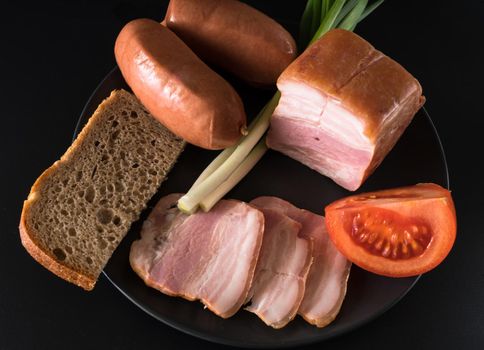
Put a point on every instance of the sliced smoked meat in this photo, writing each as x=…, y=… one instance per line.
x=206, y=256
x=328, y=275
x=279, y=281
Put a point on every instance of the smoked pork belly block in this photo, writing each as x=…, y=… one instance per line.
x=206, y=256
x=343, y=107
x=280, y=277
x=328, y=275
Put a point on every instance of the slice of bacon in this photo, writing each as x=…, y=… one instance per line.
x=327, y=279
x=280, y=277
x=206, y=256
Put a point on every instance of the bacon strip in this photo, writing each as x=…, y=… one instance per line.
x=206, y=256
x=327, y=279
x=280, y=277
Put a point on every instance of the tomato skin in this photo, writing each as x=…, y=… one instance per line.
x=413, y=229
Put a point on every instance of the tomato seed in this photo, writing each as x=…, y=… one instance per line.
x=379, y=244
x=373, y=237
x=386, y=251
x=394, y=238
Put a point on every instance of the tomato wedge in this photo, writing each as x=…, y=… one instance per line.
x=399, y=232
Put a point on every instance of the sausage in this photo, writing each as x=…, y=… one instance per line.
x=233, y=36
x=178, y=89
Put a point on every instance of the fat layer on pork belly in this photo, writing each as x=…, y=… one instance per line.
x=280, y=277
x=328, y=275
x=343, y=106
x=206, y=256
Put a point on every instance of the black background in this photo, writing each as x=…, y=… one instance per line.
x=53, y=54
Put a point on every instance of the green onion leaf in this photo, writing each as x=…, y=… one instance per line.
x=370, y=9
x=325, y=7
x=305, y=25
x=345, y=10
x=350, y=21
x=328, y=22
x=316, y=19
x=324, y=10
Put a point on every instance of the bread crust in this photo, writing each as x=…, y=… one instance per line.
x=45, y=259
x=29, y=235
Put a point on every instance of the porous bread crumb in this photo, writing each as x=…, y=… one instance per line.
x=81, y=208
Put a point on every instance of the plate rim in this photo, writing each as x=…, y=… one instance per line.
x=221, y=340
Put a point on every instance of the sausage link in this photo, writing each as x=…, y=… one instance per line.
x=233, y=36
x=181, y=91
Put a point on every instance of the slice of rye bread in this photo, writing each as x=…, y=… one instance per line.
x=80, y=208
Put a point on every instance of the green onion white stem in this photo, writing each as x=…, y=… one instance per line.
x=218, y=161
x=249, y=162
x=190, y=201
x=222, y=157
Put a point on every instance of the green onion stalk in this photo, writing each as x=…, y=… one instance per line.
x=233, y=163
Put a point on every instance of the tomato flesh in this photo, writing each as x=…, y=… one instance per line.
x=398, y=232
x=386, y=233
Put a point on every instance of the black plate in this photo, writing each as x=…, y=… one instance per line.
x=417, y=157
